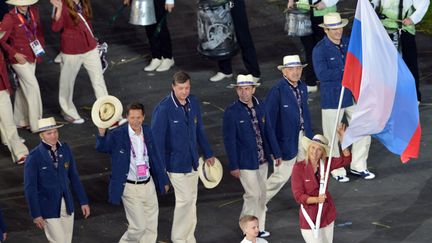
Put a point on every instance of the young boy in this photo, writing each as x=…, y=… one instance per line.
x=249, y=225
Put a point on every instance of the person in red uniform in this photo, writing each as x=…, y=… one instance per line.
x=306, y=178
x=23, y=45
x=8, y=128
x=78, y=47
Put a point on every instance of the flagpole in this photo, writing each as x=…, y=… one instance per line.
x=323, y=186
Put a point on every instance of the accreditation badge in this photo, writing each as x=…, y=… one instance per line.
x=142, y=168
x=37, y=48
x=66, y=165
x=195, y=120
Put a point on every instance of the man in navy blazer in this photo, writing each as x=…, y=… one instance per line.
x=250, y=144
x=50, y=173
x=3, y=234
x=178, y=131
x=137, y=173
x=288, y=111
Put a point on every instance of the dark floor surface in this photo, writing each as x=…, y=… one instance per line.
x=394, y=207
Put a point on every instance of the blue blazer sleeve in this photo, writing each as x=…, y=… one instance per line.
x=322, y=70
x=3, y=228
x=271, y=137
x=272, y=109
x=202, y=139
x=103, y=144
x=30, y=185
x=159, y=127
x=75, y=181
x=230, y=138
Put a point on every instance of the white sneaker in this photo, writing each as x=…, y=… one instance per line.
x=312, y=89
x=166, y=64
x=341, y=179
x=155, y=63
x=58, y=58
x=72, y=120
x=219, y=76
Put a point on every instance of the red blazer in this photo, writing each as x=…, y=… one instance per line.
x=4, y=78
x=304, y=184
x=16, y=40
x=75, y=38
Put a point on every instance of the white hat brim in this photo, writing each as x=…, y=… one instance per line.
x=96, y=108
x=344, y=22
x=280, y=67
x=21, y=2
x=48, y=128
x=306, y=142
x=210, y=184
x=236, y=85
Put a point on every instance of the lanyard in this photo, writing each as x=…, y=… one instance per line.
x=144, y=148
x=29, y=31
x=305, y=214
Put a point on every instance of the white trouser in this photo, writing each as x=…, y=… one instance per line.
x=141, y=207
x=185, y=217
x=325, y=234
x=254, y=185
x=28, y=102
x=8, y=128
x=70, y=66
x=282, y=173
x=360, y=149
x=59, y=230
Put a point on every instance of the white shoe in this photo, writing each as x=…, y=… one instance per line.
x=58, y=58
x=255, y=79
x=73, y=120
x=219, y=76
x=312, y=89
x=166, y=64
x=155, y=63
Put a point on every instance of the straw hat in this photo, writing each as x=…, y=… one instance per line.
x=106, y=111
x=291, y=61
x=21, y=2
x=46, y=124
x=245, y=80
x=210, y=175
x=317, y=139
x=333, y=21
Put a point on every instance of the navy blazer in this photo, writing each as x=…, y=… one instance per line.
x=45, y=185
x=2, y=227
x=284, y=115
x=117, y=144
x=329, y=64
x=177, y=136
x=240, y=138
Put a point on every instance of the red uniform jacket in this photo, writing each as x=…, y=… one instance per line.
x=4, y=78
x=75, y=38
x=304, y=184
x=16, y=39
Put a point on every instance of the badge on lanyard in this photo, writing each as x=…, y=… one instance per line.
x=35, y=44
x=66, y=165
x=37, y=48
x=142, y=168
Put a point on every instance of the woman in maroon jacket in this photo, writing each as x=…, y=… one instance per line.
x=305, y=183
x=78, y=47
x=24, y=46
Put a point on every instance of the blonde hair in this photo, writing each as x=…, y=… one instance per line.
x=245, y=219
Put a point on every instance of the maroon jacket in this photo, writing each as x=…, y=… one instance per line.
x=4, y=78
x=304, y=184
x=16, y=40
x=75, y=38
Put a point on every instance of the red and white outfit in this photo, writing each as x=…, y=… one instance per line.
x=20, y=32
x=78, y=47
x=305, y=183
x=8, y=128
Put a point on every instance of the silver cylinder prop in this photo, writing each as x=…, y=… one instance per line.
x=142, y=12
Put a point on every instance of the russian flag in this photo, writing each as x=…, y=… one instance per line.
x=383, y=87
